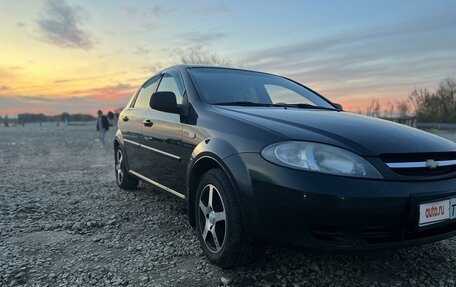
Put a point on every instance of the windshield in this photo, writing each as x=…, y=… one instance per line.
x=230, y=86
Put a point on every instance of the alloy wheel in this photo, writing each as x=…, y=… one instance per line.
x=212, y=218
x=119, y=170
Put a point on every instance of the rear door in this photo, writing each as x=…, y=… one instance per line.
x=163, y=140
x=132, y=121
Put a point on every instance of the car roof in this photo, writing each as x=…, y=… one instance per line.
x=187, y=66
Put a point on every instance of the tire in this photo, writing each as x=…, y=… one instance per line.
x=221, y=216
x=123, y=178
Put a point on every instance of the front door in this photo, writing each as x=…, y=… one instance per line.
x=163, y=140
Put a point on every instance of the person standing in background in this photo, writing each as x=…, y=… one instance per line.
x=102, y=126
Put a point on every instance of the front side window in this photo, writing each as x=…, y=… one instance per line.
x=171, y=82
x=225, y=86
x=143, y=98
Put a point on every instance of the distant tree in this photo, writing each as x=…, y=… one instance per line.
x=374, y=108
x=390, y=109
x=447, y=94
x=438, y=106
x=199, y=56
x=34, y=118
x=402, y=108
x=81, y=117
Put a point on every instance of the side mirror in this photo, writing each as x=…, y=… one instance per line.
x=338, y=106
x=165, y=102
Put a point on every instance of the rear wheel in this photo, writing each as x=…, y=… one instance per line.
x=219, y=223
x=124, y=179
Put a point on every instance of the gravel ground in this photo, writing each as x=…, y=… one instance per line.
x=64, y=222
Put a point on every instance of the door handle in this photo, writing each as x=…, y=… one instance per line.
x=148, y=123
x=125, y=119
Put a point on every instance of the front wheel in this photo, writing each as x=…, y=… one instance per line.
x=219, y=223
x=123, y=178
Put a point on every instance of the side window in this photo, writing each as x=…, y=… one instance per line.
x=171, y=82
x=280, y=94
x=142, y=101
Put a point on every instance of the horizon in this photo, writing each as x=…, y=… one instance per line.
x=81, y=56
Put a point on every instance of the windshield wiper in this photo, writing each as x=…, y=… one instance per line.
x=247, y=104
x=303, y=106
x=282, y=105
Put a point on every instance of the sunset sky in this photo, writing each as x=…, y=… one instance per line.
x=79, y=56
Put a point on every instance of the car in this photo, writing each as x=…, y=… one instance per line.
x=260, y=159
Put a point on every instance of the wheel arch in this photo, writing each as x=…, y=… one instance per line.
x=203, y=163
x=119, y=142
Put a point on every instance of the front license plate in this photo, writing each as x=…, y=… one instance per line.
x=438, y=211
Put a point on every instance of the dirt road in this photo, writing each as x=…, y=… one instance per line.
x=64, y=222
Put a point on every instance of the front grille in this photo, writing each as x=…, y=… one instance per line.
x=390, y=234
x=439, y=171
x=330, y=234
x=422, y=164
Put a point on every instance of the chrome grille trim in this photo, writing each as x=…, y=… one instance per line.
x=420, y=164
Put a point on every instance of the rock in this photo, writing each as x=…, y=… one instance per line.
x=226, y=281
x=96, y=239
x=77, y=226
x=315, y=267
x=144, y=278
x=91, y=224
x=168, y=250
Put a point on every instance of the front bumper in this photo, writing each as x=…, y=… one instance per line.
x=332, y=212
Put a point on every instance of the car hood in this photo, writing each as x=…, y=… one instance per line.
x=364, y=135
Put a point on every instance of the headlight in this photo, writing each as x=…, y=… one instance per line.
x=319, y=158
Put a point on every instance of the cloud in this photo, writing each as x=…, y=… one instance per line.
x=62, y=26
x=147, y=11
x=7, y=73
x=117, y=93
x=154, y=68
x=200, y=38
x=69, y=80
x=216, y=7
x=79, y=101
x=141, y=51
x=3, y=88
x=385, y=61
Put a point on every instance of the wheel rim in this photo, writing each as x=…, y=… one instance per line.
x=119, y=170
x=212, y=218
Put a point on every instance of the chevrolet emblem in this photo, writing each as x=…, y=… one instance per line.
x=432, y=163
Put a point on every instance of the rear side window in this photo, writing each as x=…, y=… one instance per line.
x=142, y=101
x=171, y=82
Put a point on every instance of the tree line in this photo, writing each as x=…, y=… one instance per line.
x=438, y=106
x=26, y=118
x=427, y=106
x=64, y=117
